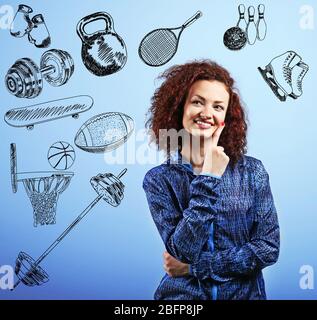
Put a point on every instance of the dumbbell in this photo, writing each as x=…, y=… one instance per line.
x=25, y=79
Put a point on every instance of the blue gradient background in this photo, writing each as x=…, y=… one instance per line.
x=116, y=253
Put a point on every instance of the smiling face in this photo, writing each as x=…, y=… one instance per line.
x=205, y=108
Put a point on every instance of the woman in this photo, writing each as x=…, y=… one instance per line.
x=211, y=203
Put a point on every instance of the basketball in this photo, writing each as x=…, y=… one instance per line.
x=61, y=155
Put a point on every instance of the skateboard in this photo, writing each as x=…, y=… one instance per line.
x=48, y=111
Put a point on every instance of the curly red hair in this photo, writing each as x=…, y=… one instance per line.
x=167, y=105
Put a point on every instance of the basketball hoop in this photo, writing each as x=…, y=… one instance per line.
x=42, y=188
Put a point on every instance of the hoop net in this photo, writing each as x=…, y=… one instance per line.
x=43, y=193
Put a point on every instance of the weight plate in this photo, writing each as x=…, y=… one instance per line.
x=28, y=271
x=24, y=79
x=63, y=66
x=33, y=81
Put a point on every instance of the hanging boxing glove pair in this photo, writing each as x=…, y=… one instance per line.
x=35, y=28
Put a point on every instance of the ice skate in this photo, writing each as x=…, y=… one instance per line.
x=298, y=74
x=278, y=74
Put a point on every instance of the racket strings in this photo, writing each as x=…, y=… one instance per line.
x=158, y=47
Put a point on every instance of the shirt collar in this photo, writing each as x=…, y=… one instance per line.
x=176, y=157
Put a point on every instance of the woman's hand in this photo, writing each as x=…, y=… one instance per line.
x=173, y=267
x=216, y=160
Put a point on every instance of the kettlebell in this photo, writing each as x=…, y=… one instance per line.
x=103, y=52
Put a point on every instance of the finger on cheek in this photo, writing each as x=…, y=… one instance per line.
x=217, y=121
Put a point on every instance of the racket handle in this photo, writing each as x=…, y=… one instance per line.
x=197, y=15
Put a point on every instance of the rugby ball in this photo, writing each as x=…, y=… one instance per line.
x=104, y=132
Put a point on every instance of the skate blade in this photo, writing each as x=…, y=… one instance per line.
x=294, y=96
x=272, y=84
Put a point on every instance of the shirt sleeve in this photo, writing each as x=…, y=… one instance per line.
x=183, y=233
x=261, y=251
x=210, y=175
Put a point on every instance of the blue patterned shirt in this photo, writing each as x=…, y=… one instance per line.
x=225, y=228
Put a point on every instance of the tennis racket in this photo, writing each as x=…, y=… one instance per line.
x=160, y=45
